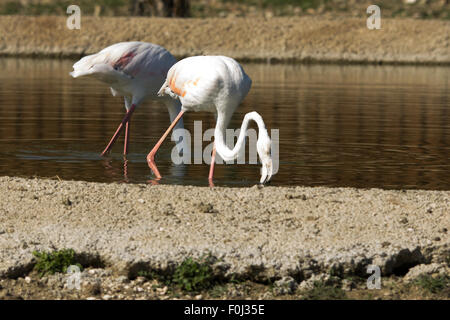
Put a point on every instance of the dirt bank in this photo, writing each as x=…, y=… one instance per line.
x=257, y=233
x=296, y=39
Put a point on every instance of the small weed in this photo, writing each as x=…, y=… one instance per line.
x=433, y=285
x=218, y=291
x=370, y=296
x=321, y=291
x=151, y=275
x=234, y=278
x=193, y=275
x=57, y=261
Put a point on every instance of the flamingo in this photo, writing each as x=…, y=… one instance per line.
x=134, y=70
x=216, y=84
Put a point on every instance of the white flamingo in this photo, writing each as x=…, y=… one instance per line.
x=216, y=84
x=134, y=70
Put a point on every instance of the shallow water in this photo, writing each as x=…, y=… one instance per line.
x=359, y=126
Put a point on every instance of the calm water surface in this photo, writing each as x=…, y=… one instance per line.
x=359, y=126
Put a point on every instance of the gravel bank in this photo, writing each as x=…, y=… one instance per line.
x=296, y=39
x=258, y=233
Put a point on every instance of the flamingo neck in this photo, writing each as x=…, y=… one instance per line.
x=226, y=153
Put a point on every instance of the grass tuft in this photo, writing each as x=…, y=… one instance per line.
x=433, y=284
x=53, y=262
x=322, y=291
x=191, y=275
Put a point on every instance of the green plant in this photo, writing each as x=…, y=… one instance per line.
x=11, y=7
x=57, y=261
x=322, y=291
x=192, y=275
x=154, y=275
x=431, y=284
x=218, y=291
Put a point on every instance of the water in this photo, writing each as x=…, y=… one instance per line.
x=358, y=126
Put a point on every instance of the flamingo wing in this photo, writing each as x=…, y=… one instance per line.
x=198, y=81
x=118, y=64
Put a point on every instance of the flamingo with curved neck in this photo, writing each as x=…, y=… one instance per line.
x=216, y=84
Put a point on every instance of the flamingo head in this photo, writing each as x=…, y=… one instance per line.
x=263, y=148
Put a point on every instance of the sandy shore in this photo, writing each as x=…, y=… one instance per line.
x=304, y=39
x=258, y=233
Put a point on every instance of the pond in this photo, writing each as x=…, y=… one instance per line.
x=347, y=126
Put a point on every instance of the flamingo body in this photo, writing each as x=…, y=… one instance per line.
x=134, y=70
x=207, y=83
x=130, y=68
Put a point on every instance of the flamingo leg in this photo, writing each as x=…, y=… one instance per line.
x=213, y=161
x=127, y=137
x=125, y=120
x=151, y=155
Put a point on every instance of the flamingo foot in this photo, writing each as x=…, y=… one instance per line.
x=151, y=155
x=152, y=165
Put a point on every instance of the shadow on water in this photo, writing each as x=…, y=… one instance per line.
x=359, y=126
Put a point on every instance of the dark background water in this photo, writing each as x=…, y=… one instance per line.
x=359, y=126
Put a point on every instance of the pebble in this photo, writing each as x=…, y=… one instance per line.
x=162, y=291
x=123, y=279
x=198, y=297
x=285, y=285
x=140, y=280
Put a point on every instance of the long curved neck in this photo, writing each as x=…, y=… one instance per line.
x=226, y=153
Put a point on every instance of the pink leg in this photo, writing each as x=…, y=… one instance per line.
x=127, y=137
x=151, y=155
x=119, y=129
x=213, y=161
